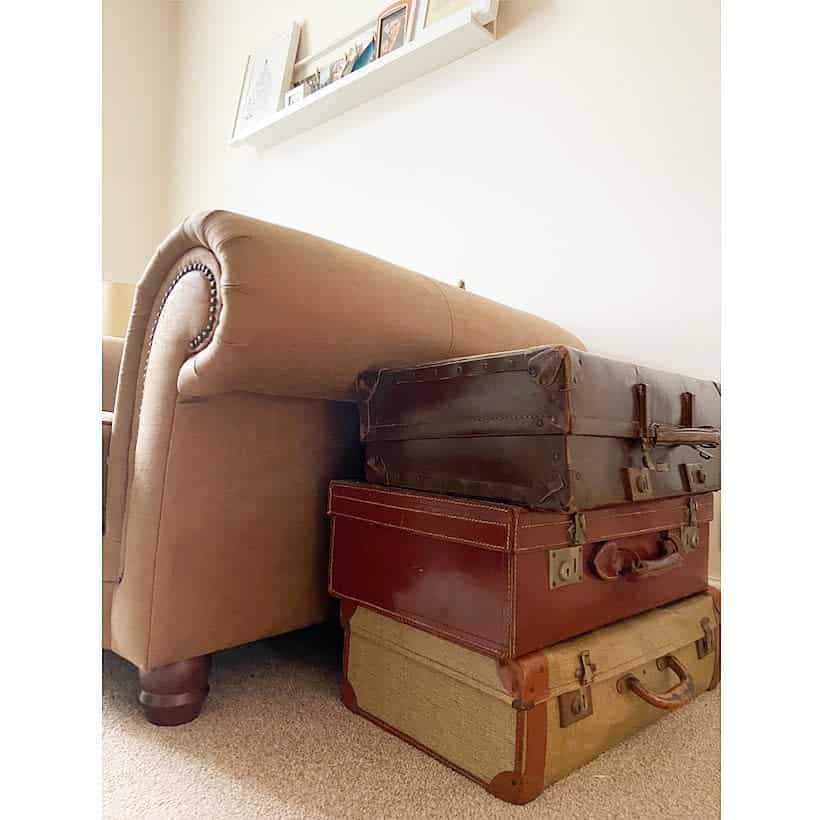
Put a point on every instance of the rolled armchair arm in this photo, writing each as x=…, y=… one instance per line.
x=229, y=307
x=303, y=316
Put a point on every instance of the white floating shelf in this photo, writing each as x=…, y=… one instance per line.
x=444, y=42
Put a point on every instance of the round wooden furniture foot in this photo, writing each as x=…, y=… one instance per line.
x=173, y=694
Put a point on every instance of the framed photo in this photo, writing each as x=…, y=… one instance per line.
x=268, y=74
x=393, y=27
x=367, y=53
x=431, y=11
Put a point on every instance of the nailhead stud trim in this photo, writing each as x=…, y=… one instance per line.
x=210, y=278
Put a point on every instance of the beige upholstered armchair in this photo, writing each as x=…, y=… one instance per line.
x=232, y=399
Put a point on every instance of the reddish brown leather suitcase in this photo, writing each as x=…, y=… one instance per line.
x=551, y=428
x=504, y=580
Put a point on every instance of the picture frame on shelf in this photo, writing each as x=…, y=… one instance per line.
x=367, y=54
x=394, y=27
x=266, y=80
x=430, y=12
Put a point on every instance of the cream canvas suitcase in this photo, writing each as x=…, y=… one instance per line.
x=517, y=726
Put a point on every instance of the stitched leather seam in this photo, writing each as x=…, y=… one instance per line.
x=509, y=602
x=436, y=535
x=610, y=534
x=609, y=516
x=420, y=512
x=513, y=598
x=401, y=492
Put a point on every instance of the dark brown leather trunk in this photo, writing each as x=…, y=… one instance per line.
x=505, y=580
x=551, y=428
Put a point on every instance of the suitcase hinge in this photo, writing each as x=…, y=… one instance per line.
x=565, y=565
x=706, y=645
x=689, y=534
x=587, y=671
x=577, y=529
x=576, y=705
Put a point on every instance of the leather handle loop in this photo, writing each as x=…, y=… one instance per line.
x=700, y=436
x=613, y=562
x=679, y=695
x=653, y=435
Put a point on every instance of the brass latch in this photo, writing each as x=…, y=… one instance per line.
x=565, y=567
x=696, y=477
x=576, y=705
x=639, y=483
x=706, y=645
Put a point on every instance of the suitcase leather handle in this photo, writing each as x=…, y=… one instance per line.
x=671, y=435
x=700, y=436
x=614, y=562
x=679, y=695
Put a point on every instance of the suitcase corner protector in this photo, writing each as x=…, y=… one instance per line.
x=547, y=363
x=515, y=787
x=525, y=678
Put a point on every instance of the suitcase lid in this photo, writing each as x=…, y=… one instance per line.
x=507, y=527
x=548, y=390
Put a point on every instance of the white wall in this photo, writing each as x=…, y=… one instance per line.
x=138, y=53
x=571, y=168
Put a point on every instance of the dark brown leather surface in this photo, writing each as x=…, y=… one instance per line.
x=478, y=573
x=552, y=428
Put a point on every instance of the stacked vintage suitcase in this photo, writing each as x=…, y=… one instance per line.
x=523, y=577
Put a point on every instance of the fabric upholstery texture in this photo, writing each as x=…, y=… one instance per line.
x=227, y=430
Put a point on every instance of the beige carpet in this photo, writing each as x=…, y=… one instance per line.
x=275, y=741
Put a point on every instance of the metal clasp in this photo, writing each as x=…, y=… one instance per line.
x=587, y=671
x=706, y=645
x=565, y=566
x=575, y=705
